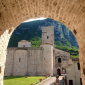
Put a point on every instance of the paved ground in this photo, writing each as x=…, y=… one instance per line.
x=53, y=79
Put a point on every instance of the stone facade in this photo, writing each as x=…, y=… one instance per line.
x=48, y=35
x=25, y=60
x=61, y=58
x=30, y=61
x=24, y=43
x=73, y=73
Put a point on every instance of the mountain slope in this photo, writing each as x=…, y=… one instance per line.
x=31, y=31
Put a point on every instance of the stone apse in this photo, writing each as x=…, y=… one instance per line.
x=69, y=12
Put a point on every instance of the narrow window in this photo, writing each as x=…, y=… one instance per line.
x=47, y=37
x=80, y=81
x=19, y=59
x=78, y=64
x=59, y=60
x=0, y=69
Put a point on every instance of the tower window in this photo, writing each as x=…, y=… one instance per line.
x=59, y=60
x=47, y=37
x=19, y=59
x=78, y=64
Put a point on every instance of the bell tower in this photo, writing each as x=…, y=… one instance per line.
x=48, y=35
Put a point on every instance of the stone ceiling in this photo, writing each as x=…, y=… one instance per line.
x=69, y=12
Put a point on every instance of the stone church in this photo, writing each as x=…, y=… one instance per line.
x=26, y=60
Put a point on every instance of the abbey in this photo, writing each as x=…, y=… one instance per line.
x=26, y=60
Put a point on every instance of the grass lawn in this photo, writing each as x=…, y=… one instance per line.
x=20, y=80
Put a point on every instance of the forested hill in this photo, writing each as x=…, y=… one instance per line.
x=31, y=31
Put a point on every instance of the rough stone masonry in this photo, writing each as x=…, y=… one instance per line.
x=69, y=12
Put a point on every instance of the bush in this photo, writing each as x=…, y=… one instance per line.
x=32, y=84
x=46, y=76
x=40, y=79
x=55, y=83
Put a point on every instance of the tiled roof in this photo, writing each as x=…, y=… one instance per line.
x=75, y=59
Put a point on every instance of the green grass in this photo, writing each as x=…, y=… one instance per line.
x=20, y=80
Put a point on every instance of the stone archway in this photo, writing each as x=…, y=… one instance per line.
x=69, y=12
x=59, y=72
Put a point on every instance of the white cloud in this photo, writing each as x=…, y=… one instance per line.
x=41, y=18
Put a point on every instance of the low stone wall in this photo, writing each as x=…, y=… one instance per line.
x=44, y=81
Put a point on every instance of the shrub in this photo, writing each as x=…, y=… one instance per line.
x=40, y=79
x=49, y=75
x=46, y=76
x=26, y=76
x=55, y=83
x=32, y=84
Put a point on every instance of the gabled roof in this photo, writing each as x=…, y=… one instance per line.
x=75, y=59
x=69, y=63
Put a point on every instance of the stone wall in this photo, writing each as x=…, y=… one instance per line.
x=69, y=12
x=29, y=61
x=24, y=43
x=35, y=62
x=9, y=62
x=19, y=63
x=48, y=35
x=47, y=59
x=24, y=61
x=73, y=73
x=64, y=56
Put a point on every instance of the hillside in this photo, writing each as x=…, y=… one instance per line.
x=31, y=31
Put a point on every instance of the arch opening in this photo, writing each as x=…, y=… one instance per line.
x=59, y=60
x=70, y=17
x=59, y=72
x=36, y=39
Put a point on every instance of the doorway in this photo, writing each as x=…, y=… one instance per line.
x=59, y=72
x=80, y=81
x=70, y=82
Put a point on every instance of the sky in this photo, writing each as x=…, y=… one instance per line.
x=41, y=18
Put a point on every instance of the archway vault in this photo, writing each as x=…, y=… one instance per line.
x=69, y=12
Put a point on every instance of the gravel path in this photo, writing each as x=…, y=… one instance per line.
x=53, y=79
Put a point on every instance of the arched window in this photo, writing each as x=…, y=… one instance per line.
x=59, y=60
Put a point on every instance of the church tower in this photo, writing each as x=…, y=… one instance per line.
x=48, y=35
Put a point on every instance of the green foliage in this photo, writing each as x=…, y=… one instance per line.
x=36, y=41
x=58, y=43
